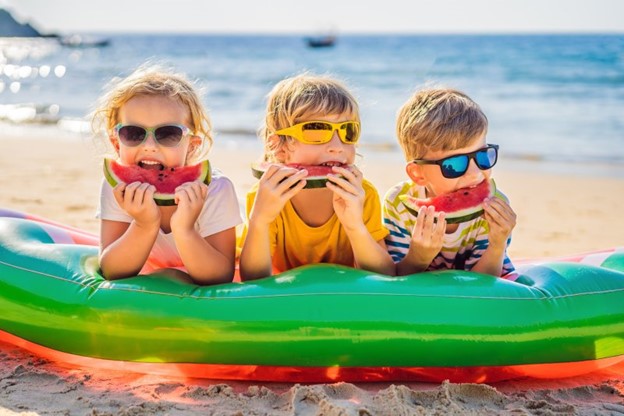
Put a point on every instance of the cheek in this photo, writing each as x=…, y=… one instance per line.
x=126, y=154
x=351, y=153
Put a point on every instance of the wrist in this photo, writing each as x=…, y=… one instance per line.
x=147, y=225
x=356, y=231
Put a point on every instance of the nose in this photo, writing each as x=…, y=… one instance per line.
x=335, y=144
x=473, y=170
x=150, y=142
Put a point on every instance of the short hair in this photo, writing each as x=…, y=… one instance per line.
x=299, y=97
x=438, y=119
x=154, y=80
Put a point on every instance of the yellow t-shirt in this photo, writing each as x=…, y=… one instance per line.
x=294, y=243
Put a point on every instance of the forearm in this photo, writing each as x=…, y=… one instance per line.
x=491, y=262
x=255, y=260
x=127, y=255
x=411, y=264
x=369, y=254
x=204, y=263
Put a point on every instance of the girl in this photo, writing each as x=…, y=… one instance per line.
x=312, y=120
x=155, y=119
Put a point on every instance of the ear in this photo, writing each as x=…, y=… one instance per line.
x=415, y=173
x=195, y=143
x=114, y=141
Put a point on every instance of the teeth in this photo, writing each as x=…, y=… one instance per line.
x=150, y=162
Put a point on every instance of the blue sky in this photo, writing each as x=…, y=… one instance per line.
x=285, y=16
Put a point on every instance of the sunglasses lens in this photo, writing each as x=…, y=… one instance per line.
x=169, y=136
x=317, y=132
x=454, y=166
x=132, y=135
x=486, y=158
x=349, y=132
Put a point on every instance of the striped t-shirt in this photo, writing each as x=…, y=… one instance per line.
x=461, y=249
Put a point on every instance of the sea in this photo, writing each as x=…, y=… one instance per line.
x=552, y=98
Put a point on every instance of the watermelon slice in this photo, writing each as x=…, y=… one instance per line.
x=165, y=180
x=317, y=174
x=460, y=206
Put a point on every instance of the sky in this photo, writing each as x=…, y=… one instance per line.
x=347, y=16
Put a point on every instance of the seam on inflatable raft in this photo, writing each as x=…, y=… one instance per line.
x=311, y=293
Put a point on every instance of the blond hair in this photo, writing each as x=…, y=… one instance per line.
x=301, y=97
x=154, y=80
x=438, y=119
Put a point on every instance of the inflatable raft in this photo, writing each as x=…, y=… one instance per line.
x=319, y=323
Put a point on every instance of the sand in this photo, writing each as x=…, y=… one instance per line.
x=561, y=210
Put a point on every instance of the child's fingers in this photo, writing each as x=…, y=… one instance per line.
x=193, y=190
x=294, y=190
x=142, y=193
x=130, y=192
x=350, y=186
x=276, y=174
x=428, y=221
x=499, y=211
x=289, y=181
x=353, y=175
x=340, y=188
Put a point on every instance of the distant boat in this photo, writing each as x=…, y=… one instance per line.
x=78, y=41
x=321, y=41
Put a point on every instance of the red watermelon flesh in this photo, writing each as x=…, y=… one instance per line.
x=460, y=206
x=165, y=180
x=316, y=170
x=317, y=174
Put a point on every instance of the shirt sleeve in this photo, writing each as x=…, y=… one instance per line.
x=372, y=213
x=399, y=231
x=221, y=209
x=108, y=208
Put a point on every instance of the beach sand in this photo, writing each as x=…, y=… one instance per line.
x=558, y=214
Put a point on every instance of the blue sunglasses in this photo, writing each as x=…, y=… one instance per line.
x=455, y=166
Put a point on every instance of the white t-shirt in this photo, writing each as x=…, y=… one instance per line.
x=221, y=211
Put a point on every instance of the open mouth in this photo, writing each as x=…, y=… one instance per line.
x=151, y=165
x=330, y=164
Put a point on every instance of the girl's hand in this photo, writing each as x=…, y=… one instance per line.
x=427, y=236
x=501, y=219
x=190, y=199
x=276, y=187
x=346, y=184
x=137, y=199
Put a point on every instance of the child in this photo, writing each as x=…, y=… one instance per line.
x=312, y=120
x=155, y=119
x=442, y=133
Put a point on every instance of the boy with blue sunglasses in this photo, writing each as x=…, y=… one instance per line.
x=442, y=134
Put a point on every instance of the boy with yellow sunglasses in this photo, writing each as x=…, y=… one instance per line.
x=311, y=124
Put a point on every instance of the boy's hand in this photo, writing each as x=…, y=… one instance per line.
x=427, y=236
x=346, y=184
x=276, y=187
x=137, y=199
x=501, y=219
x=190, y=199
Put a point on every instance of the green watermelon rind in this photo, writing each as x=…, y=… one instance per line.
x=460, y=216
x=312, y=182
x=161, y=199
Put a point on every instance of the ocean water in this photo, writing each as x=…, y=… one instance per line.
x=548, y=97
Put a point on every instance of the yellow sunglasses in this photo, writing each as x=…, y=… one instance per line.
x=320, y=132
